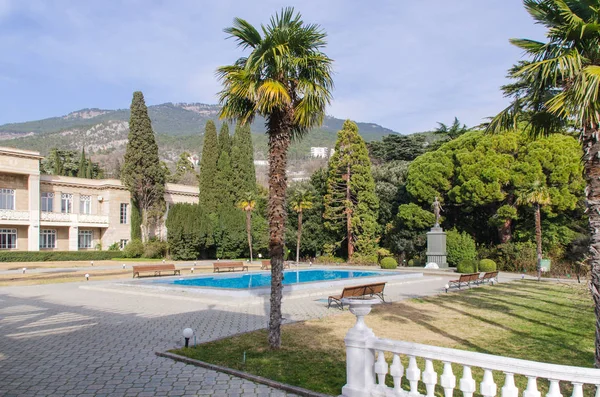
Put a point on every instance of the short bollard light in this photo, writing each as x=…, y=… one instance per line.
x=92, y=262
x=24, y=270
x=163, y=261
x=187, y=334
x=123, y=266
x=447, y=287
x=87, y=276
x=194, y=264
x=192, y=270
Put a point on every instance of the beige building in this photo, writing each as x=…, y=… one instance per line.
x=48, y=212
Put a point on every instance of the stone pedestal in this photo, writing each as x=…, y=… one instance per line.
x=436, y=247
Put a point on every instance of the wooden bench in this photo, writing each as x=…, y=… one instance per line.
x=229, y=266
x=464, y=280
x=357, y=291
x=488, y=277
x=266, y=265
x=156, y=269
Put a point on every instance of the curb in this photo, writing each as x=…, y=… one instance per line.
x=244, y=375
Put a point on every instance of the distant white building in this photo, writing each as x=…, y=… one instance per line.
x=194, y=159
x=319, y=152
x=261, y=162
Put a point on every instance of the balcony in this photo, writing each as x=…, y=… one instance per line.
x=12, y=215
x=75, y=219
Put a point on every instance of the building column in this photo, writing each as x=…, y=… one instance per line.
x=33, y=235
x=73, y=238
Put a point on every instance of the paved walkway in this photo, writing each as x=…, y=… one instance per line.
x=65, y=340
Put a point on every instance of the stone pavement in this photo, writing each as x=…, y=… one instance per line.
x=64, y=340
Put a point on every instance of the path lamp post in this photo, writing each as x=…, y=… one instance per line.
x=187, y=334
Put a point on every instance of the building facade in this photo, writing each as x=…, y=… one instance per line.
x=49, y=212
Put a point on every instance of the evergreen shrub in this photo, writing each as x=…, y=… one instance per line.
x=364, y=260
x=326, y=259
x=50, y=256
x=459, y=247
x=467, y=266
x=133, y=249
x=155, y=249
x=487, y=265
x=389, y=263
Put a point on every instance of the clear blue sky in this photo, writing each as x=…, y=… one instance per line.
x=403, y=64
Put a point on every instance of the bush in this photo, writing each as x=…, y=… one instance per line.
x=155, y=249
x=389, y=263
x=133, y=249
x=487, y=265
x=517, y=257
x=329, y=259
x=114, y=247
x=50, y=256
x=467, y=266
x=459, y=247
x=364, y=260
x=383, y=253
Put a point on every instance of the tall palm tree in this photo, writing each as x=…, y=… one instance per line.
x=300, y=201
x=538, y=196
x=247, y=204
x=287, y=80
x=558, y=88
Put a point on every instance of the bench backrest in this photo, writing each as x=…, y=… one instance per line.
x=490, y=275
x=376, y=288
x=149, y=268
x=468, y=277
x=266, y=263
x=228, y=264
x=349, y=292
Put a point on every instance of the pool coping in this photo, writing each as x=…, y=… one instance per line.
x=291, y=289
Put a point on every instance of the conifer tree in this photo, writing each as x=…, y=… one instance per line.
x=351, y=205
x=142, y=172
x=82, y=171
x=208, y=169
x=224, y=189
x=89, y=168
x=242, y=162
x=224, y=139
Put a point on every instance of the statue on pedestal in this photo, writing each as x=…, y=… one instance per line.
x=437, y=208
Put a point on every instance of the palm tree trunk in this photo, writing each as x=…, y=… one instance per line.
x=249, y=231
x=538, y=239
x=299, y=236
x=279, y=141
x=591, y=146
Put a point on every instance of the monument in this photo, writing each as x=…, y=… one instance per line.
x=436, y=239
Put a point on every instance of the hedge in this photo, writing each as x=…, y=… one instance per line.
x=389, y=263
x=487, y=265
x=52, y=256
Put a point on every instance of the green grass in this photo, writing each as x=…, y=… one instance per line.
x=139, y=260
x=535, y=321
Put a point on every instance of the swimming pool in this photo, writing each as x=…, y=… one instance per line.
x=248, y=281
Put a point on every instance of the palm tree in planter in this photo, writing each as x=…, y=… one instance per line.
x=538, y=196
x=300, y=201
x=558, y=87
x=287, y=80
x=247, y=204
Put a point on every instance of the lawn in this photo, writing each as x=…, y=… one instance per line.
x=545, y=322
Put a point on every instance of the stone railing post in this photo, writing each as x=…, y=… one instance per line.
x=360, y=360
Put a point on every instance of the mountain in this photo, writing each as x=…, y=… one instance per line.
x=178, y=127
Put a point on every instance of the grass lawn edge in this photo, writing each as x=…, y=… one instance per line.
x=244, y=375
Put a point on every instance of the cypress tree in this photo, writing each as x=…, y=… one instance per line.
x=208, y=169
x=242, y=162
x=224, y=139
x=224, y=189
x=142, y=172
x=136, y=222
x=82, y=168
x=89, y=168
x=351, y=205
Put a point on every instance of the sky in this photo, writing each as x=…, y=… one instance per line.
x=403, y=64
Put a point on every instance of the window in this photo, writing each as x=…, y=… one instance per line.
x=123, y=217
x=66, y=203
x=8, y=238
x=47, y=238
x=85, y=239
x=85, y=204
x=47, y=202
x=123, y=243
x=7, y=199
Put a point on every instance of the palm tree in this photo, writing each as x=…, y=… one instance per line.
x=301, y=200
x=537, y=195
x=287, y=80
x=558, y=89
x=247, y=204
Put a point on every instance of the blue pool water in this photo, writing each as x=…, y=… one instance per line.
x=258, y=280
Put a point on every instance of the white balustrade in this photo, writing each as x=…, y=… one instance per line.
x=84, y=218
x=367, y=368
x=73, y=218
x=12, y=215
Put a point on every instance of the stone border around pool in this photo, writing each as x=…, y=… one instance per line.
x=244, y=375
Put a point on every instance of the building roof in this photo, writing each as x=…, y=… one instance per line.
x=10, y=151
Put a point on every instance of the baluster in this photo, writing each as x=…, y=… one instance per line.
x=429, y=378
x=448, y=380
x=554, y=389
x=467, y=383
x=381, y=369
x=510, y=389
x=577, y=390
x=396, y=371
x=413, y=375
x=487, y=387
x=531, y=390
x=597, y=390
